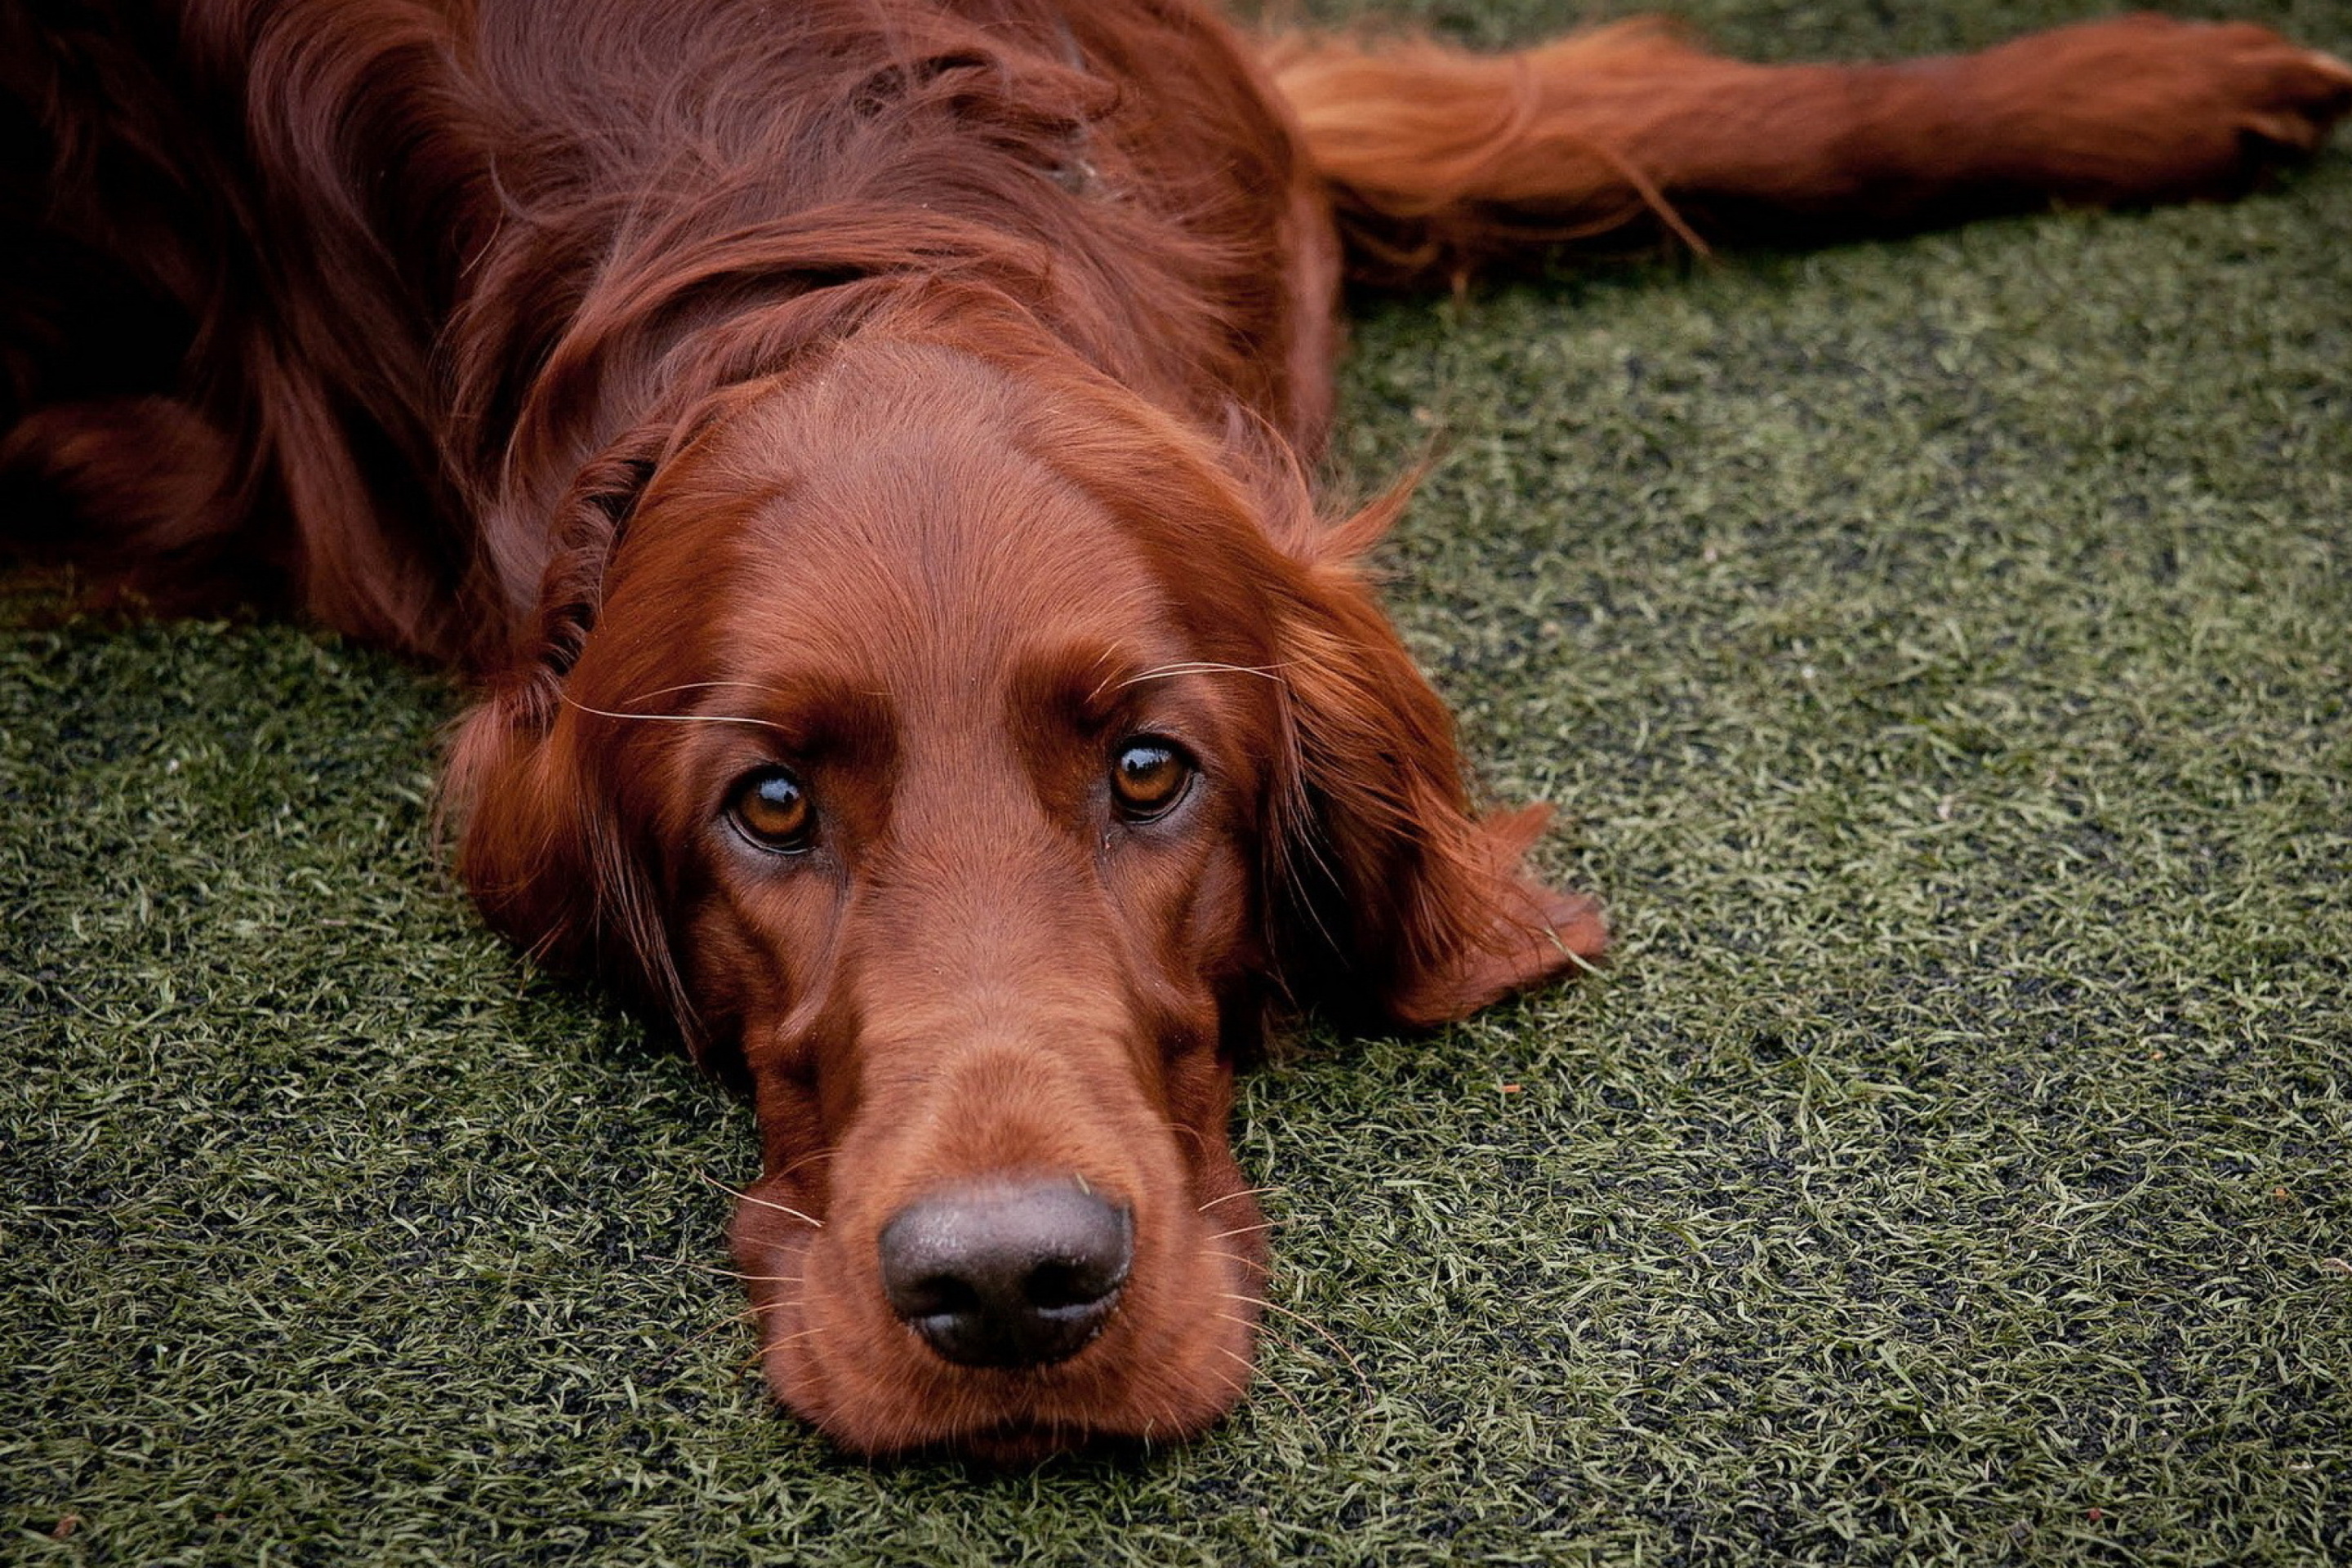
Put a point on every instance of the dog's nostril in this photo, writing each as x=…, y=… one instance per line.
x=1005, y=1274
x=929, y=1298
x=1053, y=1286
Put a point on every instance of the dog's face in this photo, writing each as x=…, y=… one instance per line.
x=970, y=764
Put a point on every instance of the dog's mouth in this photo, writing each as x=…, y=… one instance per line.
x=1002, y=1321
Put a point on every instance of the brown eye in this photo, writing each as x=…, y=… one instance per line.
x=1148, y=778
x=772, y=808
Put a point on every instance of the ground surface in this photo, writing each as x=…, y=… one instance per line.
x=1939, y=653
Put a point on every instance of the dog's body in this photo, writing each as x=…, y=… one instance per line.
x=859, y=446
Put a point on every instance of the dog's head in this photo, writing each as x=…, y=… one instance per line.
x=973, y=752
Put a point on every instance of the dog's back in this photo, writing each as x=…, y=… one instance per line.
x=340, y=296
x=334, y=298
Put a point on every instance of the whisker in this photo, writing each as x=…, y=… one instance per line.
x=1238, y=1230
x=570, y=702
x=763, y=1202
x=1285, y=1341
x=706, y=686
x=1188, y=666
x=1244, y=1193
x=1192, y=1132
x=1175, y=1419
x=1241, y=1386
x=1249, y=1370
x=748, y=1317
x=747, y=1279
x=1303, y=1320
x=1204, y=667
x=1249, y=1367
x=805, y=1158
x=794, y=1338
x=1240, y=1265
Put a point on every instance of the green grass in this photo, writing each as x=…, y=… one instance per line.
x=1939, y=652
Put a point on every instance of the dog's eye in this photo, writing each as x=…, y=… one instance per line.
x=772, y=808
x=1149, y=777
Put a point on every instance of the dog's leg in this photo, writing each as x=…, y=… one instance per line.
x=1439, y=159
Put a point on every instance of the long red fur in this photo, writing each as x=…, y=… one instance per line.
x=921, y=394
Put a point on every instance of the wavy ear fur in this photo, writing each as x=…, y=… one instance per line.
x=1392, y=896
x=544, y=857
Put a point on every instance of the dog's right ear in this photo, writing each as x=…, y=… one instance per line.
x=538, y=845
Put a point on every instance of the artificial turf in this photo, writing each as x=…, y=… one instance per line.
x=1938, y=652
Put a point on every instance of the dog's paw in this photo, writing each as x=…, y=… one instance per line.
x=2144, y=108
x=2263, y=88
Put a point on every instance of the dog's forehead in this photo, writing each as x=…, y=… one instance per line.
x=930, y=560
x=888, y=530
x=909, y=525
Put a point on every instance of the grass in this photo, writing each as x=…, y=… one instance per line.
x=1939, y=653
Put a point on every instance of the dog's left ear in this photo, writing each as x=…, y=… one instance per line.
x=1390, y=890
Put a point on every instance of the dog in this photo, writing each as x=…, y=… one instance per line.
x=860, y=450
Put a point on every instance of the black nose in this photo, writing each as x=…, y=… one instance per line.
x=1019, y=1275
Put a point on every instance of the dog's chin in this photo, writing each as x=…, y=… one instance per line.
x=1171, y=1362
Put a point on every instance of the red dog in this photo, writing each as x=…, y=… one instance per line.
x=859, y=443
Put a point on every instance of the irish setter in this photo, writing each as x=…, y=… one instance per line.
x=860, y=449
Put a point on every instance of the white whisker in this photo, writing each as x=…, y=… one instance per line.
x=570, y=702
x=763, y=1202
x=748, y=1278
x=1312, y=1326
x=706, y=686
x=1204, y=667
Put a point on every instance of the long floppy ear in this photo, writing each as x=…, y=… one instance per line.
x=1392, y=896
x=538, y=846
